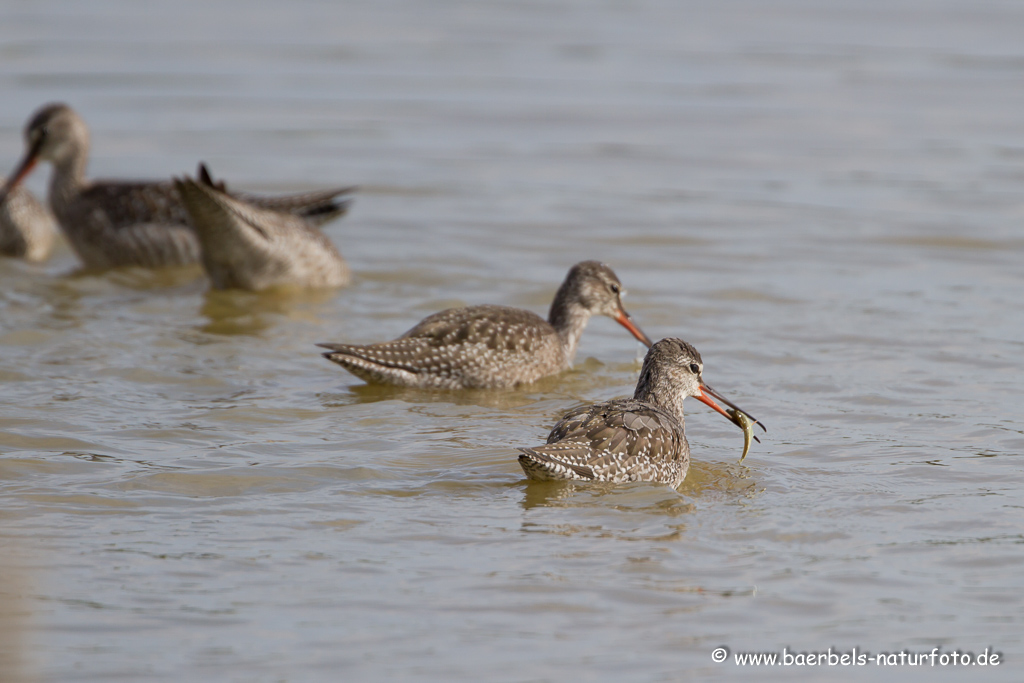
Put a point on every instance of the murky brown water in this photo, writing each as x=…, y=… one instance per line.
x=827, y=199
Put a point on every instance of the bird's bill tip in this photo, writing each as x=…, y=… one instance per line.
x=732, y=417
x=735, y=415
x=623, y=319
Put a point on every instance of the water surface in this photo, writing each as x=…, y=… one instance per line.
x=826, y=199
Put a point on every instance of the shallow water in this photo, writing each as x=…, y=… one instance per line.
x=826, y=199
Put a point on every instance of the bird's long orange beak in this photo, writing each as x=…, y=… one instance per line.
x=623, y=319
x=22, y=170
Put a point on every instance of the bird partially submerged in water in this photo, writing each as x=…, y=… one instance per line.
x=489, y=347
x=632, y=439
x=111, y=223
x=248, y=247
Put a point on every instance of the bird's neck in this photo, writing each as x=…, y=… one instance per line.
x=568, y=318
x=68, y=179
x=655, y=388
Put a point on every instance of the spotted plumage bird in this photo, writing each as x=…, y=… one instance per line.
x=488, y=347
x=633, y=439
x=115, y=223
x=248, y=247
x=27, y=228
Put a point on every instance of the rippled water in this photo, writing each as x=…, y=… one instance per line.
x=827, y=199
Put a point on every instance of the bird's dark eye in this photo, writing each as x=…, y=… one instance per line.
x=694, y=368
x=615, y=288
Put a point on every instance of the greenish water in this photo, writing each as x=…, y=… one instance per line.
x=826, y=200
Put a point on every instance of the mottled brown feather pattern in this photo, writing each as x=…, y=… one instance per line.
x=129, y=203
x=475, y=347
x=488, y=347
x=635, y=439
x=621, y=440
